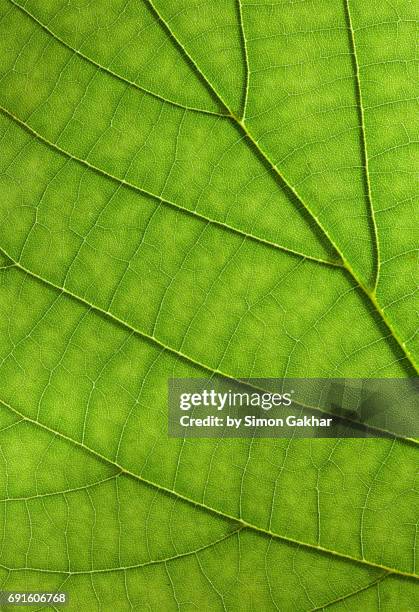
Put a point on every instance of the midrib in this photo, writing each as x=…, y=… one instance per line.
x=342, y=262
x=261, y=151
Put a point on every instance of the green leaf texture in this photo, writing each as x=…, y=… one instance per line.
x=192, y=187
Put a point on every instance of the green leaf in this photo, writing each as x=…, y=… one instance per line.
x=192, y=188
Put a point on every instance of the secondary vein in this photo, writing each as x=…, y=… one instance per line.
x=251, y=139
x=353, y=593
x=246, y=59
x=363, y=134
x=242, y=523
x=107, y=570
x=241, y=125
x=169, y=203
x=121, y=78
x=178, y=353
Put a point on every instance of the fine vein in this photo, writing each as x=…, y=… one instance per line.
x=121, y=78
x=240, y=522
x=178, y=353
x=347, y=265
x=162, y=200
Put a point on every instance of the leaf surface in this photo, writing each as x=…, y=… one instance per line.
x=241, y=205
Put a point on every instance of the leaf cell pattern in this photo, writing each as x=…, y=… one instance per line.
x=193, y=188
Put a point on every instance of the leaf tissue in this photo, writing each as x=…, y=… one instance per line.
x=192, y=188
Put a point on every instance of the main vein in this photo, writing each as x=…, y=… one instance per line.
x=370, y=294
x=260, y=150
x=240, y=123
